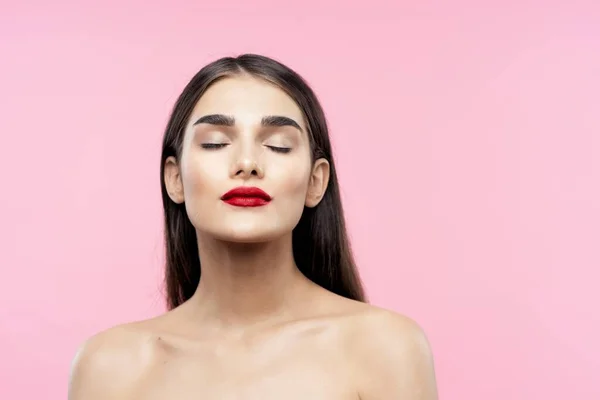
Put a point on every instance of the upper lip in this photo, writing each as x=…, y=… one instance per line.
x=246, y=191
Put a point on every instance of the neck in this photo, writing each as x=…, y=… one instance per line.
x=245, y=284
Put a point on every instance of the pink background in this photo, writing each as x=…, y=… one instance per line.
x=468, y=143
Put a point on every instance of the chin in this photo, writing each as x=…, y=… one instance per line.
x=239, y=235
x=248, y=229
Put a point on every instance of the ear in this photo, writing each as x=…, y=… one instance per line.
x=173, y=183
x=317, y=185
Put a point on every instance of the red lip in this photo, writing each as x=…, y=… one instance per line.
x=245, y=196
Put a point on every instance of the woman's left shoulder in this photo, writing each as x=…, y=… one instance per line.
x=388, y=327
x=393, y=355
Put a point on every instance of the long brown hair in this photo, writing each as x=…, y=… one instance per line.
x=320, y=243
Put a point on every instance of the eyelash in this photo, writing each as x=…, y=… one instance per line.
x=282, y=150
x=215, y=146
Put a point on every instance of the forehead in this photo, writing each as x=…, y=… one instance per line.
x=247, y=98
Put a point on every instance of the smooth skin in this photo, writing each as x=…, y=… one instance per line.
x=256, y=328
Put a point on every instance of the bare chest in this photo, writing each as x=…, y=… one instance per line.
x=279, y=382
x=308, y=371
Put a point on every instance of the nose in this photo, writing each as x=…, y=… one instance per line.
x=247, y=165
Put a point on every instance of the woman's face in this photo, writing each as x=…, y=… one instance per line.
x=246, y=133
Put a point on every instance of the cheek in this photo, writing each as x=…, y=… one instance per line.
x=293, y=183
x=199, y=179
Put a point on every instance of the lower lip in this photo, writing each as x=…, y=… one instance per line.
x=246, y=201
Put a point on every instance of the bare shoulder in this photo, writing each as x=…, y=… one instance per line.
x=108, y=364
x=393, y=356
x=389, y=327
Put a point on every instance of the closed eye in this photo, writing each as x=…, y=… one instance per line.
x=280, y=149
x=212, y=146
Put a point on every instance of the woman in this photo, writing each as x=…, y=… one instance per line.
x=264, y=298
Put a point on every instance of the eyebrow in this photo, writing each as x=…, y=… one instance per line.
x=267, y=121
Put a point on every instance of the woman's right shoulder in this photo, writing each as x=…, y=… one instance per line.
x=107, y=364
